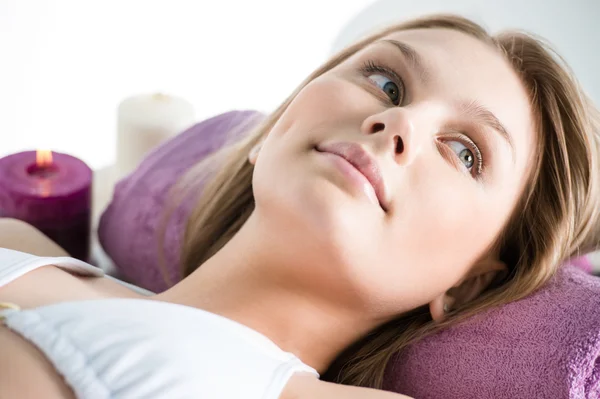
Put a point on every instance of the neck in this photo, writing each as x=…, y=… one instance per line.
x=247, y=282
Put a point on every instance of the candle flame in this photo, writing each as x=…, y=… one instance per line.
x=43, y=158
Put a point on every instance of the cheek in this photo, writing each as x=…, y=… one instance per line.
x=441, y=229
x=325, y=103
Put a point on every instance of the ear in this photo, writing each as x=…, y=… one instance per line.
x=469, y=287
x=253, y=154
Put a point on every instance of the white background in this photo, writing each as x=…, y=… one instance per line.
x=66, y=64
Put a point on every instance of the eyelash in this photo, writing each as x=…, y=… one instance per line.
x=370, y=67
x=479, y=165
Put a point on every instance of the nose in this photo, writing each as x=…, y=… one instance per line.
x=394, y=133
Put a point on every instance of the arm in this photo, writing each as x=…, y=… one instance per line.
x=20, y=236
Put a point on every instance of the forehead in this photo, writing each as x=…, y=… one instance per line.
x=460, y=67
x=449, y=53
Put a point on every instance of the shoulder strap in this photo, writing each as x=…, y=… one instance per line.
x=14, y=264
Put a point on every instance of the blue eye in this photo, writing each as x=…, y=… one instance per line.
x=465, y=155
x=389, y=87
x=386, y=79
x=467, y=152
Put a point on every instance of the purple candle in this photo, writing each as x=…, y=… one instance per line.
x=52, y=192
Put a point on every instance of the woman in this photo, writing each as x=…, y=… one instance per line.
x=425, y=173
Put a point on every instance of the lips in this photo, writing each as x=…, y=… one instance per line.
x=358, y=157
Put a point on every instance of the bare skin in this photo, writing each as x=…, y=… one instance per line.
x=24, y=363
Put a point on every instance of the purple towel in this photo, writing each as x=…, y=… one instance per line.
x=128, y=228
x=544, y=346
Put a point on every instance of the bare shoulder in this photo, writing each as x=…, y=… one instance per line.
x=305, y=385
x=49, y=284
x=22, y=363
x=45, y=286
x=35, y=288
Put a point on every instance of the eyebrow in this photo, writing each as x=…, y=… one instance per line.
x=484, y=116
x=413, y=57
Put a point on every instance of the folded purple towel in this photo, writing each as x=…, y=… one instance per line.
x=128, y=228
x=544, y=346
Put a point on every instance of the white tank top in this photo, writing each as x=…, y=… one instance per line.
x=137, y=348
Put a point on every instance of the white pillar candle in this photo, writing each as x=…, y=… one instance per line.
x=144, y=122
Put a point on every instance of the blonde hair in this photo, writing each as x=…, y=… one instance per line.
x=556, y=218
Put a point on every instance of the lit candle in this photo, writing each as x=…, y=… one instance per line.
x=51, y=191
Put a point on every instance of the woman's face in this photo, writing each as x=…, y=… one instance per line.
x=447, y=124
